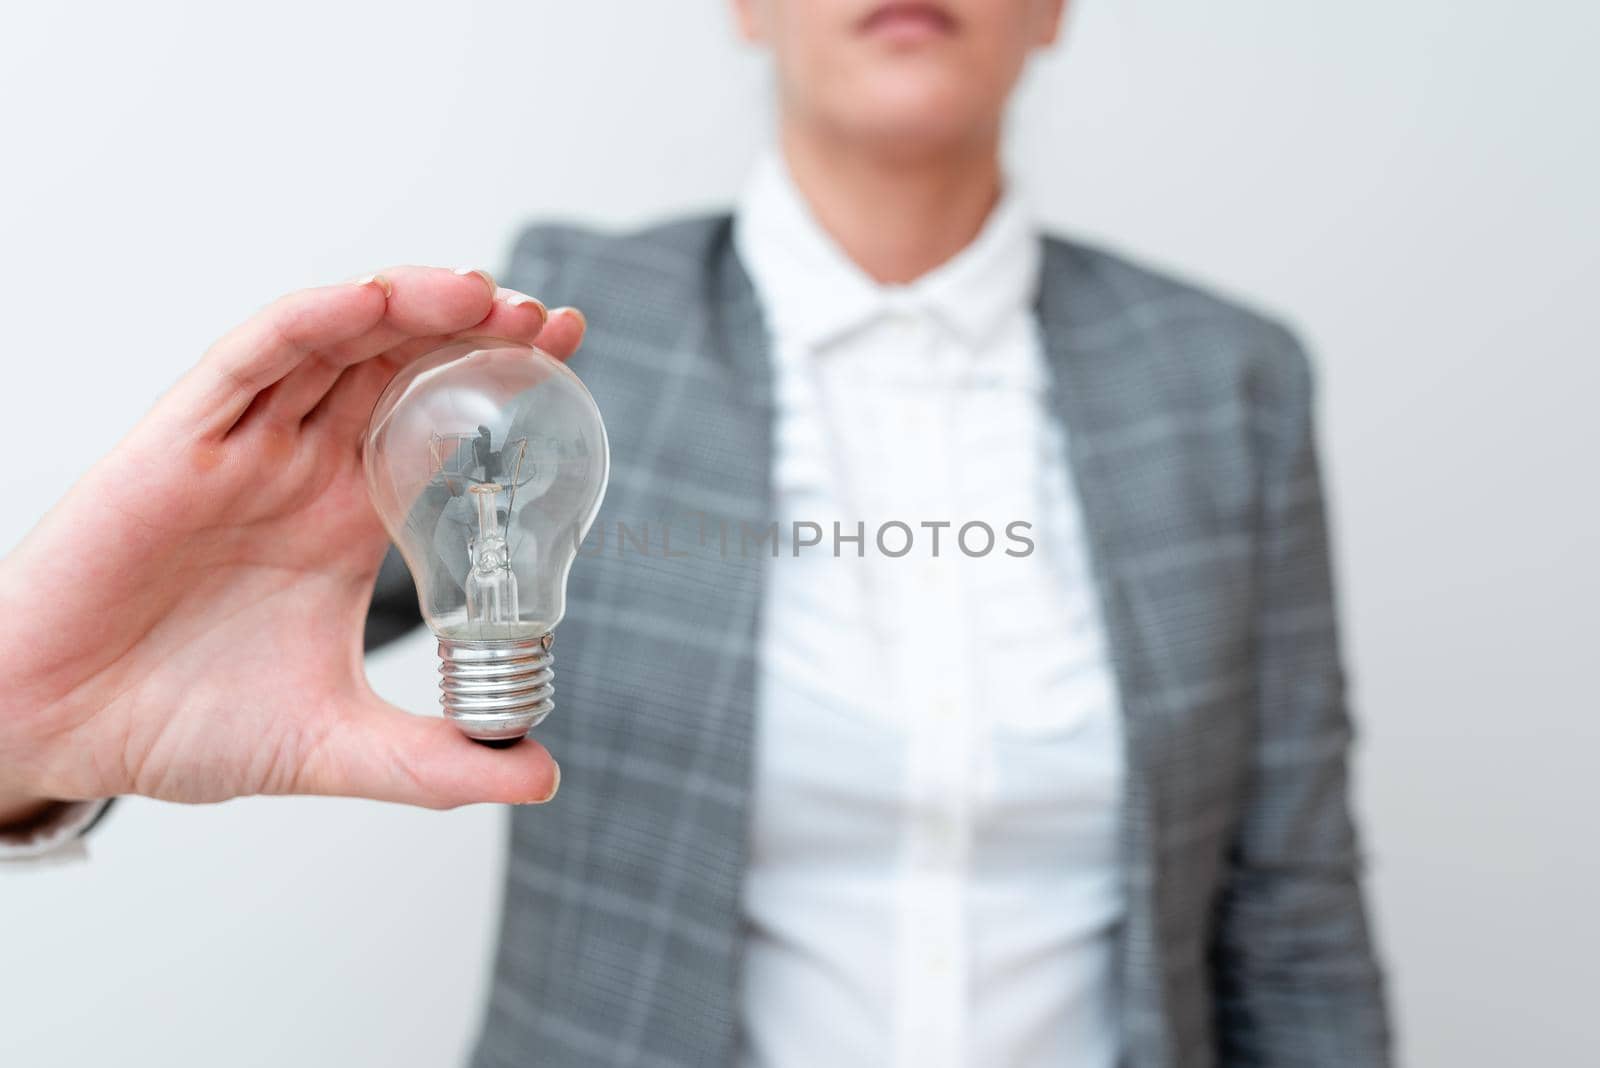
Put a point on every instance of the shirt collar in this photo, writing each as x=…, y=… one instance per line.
x=813, y=293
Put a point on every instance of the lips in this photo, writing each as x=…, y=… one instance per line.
x=908, y=21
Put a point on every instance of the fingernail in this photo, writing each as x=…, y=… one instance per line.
x=555, y=784
x=488, y=279
x=575, y=313
x=375, y=280
x=518, y=300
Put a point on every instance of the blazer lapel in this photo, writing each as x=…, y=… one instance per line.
x=1088, y=383
x=636, y=874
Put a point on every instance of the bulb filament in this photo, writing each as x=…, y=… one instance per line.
x=491, y=587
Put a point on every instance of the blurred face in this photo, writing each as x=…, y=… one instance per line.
x=908, y=75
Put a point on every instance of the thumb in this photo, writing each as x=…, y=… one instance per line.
x=387, y=754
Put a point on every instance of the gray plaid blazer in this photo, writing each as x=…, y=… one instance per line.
x=1245, y=941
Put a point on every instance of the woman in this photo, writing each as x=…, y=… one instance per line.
x=1074, y=797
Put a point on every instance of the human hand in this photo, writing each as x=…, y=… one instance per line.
x=187, y=622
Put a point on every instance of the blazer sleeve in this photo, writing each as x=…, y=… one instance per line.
x=1297, y=980
x=57, y=835
x=394, y=610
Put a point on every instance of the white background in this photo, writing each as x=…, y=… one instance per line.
x=1414, y=185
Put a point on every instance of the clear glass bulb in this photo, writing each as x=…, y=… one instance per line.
x=486, y=461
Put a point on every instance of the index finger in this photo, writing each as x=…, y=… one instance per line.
x=339, y=324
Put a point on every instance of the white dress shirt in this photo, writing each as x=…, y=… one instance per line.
x=933, y=877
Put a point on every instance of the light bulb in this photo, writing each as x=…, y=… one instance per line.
x=486, y=461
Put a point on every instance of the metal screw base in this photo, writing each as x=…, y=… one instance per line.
x=496, y=691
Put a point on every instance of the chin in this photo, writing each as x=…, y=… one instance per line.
x=914, y=114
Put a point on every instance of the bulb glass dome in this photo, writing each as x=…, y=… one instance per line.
x=487, y=462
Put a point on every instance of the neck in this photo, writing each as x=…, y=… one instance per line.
x=898, y=216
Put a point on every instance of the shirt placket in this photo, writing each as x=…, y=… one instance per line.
x=935, y=684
